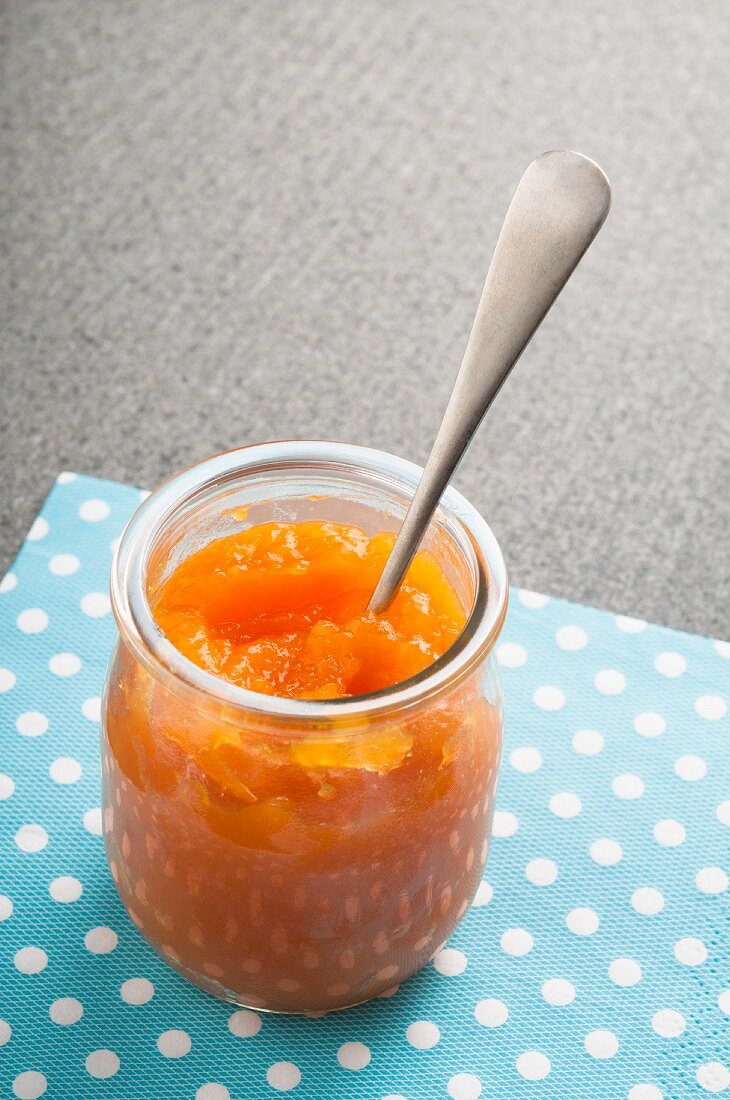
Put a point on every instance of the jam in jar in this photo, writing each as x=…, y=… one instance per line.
x=298, y=793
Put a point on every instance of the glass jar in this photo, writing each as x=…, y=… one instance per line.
x=297, y=855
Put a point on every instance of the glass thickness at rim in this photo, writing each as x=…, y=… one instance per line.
x=139, y=629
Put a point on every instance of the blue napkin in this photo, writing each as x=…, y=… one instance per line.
x=593, y=965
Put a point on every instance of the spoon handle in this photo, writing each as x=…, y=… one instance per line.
x=560, y=204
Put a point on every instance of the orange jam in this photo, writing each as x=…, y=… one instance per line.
x=311, y=863
x=280, y=608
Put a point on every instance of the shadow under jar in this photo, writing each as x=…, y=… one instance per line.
x=297, y=855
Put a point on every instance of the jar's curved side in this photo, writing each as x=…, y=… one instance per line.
x=297, y=880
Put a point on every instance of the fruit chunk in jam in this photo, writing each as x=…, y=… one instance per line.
x=309, y=865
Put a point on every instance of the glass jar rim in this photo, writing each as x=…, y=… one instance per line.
x=138, y=628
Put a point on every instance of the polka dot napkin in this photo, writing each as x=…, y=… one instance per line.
x=594, y=964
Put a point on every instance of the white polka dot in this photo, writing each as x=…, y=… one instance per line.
x=711, y=880
x=722, y=813
x=606, y=852
x=65, y=770
x=668, y=1023
x=91, y=708
x=423, y=1034
x=92, y=821
x=624, y=972
x=6, y=907
x=95, y=604
x=94, y=510
x=649, y=724
x=541, y=872
x=212, y=1091
x=64, y=664
x=533, y=1065
x=464, y=1086
x=558, y=992
x=628, y=625
x=647, y=901
x=136, y=991
x=483, y=895
x=450, y=962
x=7, y=679
x=7, y=786
x=38, y=530
x=63, y=565
x=525, y=760
x=101, y=940
x=65, y=889
x=511, y=655
x=582, y=922
x=102, y=1064
x=491, y=1012
x=505, y=824
x=565, y=804
x=669, y=833
x=628, y=786
x=609, y=681
x=31, y=724
x=5, y=1032
x=690, y=951
x=724, y=1001
x=66, y=1011
x=174, y=1043
x=33, y=620
x=31, y=838
x=690, y=768
x=571, y=638
x=30, y=960
x=29, y=1085
x=670, y=664
x=8, y=583
x=244, y=1023
x=588, y=742
x=713, y=1077
x=548, y=697
x=711, y=707
x=601, y=1044
x=516, y=941
x=353, y=1056
x=65, y=477
x=534, y=600
x=645, y=1092
x=283, y=1076
x=722, y=648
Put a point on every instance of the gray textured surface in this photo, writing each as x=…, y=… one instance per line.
x=239, y=221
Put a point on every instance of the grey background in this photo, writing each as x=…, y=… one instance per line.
x=226, y=222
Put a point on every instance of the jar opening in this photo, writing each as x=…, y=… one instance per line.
x=288, y=481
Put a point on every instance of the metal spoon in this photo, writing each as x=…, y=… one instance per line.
x=560, y=204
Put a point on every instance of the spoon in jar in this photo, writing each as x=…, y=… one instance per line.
x=560, y=204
